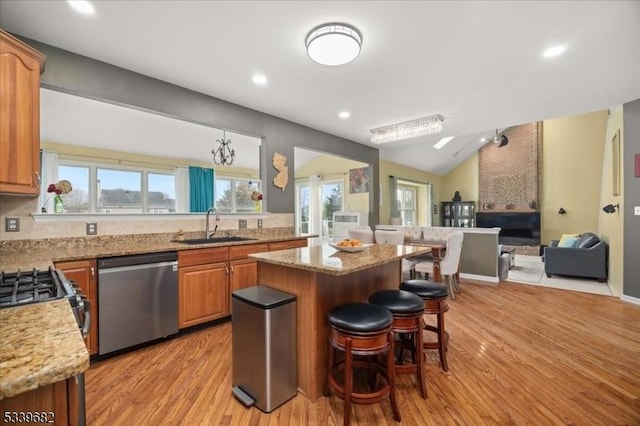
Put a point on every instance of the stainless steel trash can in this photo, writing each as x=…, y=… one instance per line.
x=264, y=352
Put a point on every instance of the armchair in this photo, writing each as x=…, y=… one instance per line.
x=589, y=258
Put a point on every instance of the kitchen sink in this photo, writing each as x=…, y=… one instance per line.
x=215, y=240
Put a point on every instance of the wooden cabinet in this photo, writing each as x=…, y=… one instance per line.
x=83, y=272
x=283, y=245
x=244, y=271
x=459, y=214
x=51, y=403
x=20, y=68
x=203, y=283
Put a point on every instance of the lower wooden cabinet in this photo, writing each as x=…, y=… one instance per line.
x=51, y=404
x=203, y=293
x=83, y=272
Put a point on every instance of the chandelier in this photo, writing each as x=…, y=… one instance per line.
x=408, y=129
x=223, y=155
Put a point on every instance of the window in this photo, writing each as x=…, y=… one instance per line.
x=406, y=202
x=331, y=202
x=101, y=188
x=233, y=195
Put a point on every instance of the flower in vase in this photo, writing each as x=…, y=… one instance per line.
x=57, y=189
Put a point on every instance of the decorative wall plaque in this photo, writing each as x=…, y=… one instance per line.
x=282, y=178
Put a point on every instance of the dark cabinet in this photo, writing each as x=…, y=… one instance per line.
x=458, y=214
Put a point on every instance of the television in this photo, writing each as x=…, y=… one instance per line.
x=516, y=228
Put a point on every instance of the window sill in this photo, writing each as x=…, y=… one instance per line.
x=68, y=217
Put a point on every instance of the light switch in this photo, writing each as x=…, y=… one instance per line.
x=636, y=210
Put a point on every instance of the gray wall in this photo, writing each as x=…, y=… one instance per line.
x=631, y=237
x=83, y=76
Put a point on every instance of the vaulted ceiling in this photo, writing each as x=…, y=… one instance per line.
x=479, y=64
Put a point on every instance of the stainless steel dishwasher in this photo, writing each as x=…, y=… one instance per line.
x=137, y=299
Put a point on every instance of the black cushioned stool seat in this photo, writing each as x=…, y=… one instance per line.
x=435, y=297
x=407, y=309
x=360, y=317
x=362, y=332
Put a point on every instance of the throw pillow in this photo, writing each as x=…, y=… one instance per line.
x=564, y=237
x=587, y=240
x=568, y=242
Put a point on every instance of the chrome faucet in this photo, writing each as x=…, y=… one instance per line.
x=206, y=231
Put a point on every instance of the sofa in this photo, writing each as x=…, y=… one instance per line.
x=585, y=256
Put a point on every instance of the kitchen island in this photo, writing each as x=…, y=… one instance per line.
x=322, y=277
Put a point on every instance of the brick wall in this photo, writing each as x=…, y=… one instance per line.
x=508, y=176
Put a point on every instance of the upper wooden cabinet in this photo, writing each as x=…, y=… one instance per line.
x=20, y=68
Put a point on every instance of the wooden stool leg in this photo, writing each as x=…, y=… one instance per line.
x=391, y=375
x=419, y=358
x=442, y=342
x=348, y=380
x=449, y=281
x=327, y=388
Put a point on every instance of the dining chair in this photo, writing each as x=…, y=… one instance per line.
x=449, y=265
x=397, y=238
x=363, y=234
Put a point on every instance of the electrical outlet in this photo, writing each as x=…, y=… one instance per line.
x=92, y=228
x=636, y=210
x=12, y=224
x=242, y=223
x=259, y=223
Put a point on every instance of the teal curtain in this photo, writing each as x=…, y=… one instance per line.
x=201, y=189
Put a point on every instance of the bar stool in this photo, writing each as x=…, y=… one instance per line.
x=407, y=310
x=435, y=296
x=361, y=331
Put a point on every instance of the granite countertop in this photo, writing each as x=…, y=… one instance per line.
x=330, y=261
x=40, y=344
x=42, y=256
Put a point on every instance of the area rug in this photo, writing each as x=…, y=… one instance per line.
x=530, y=270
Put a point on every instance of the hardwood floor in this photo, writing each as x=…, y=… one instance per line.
x=518, y=354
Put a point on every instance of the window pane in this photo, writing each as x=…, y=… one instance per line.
x=304, y=199
x=162, y=193
x=224, y=197
x=331, y=202
x=119, y=191
x=244, y=203
x=77, y=201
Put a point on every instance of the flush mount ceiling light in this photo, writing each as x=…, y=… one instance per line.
x=344, y=114
x=333, y=44
x=408, y=129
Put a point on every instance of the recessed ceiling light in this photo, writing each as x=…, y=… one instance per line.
x=442, y=142
x=483, y=140
x=81, y=6
x=344, y=114
x=259, y=79
x=333, y=44
x=554, y=51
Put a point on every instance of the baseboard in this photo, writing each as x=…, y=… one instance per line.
x=630, y=299
x=492, y=280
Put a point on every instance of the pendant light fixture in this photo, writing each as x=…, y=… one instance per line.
x=223, y=155
x=333, y=44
